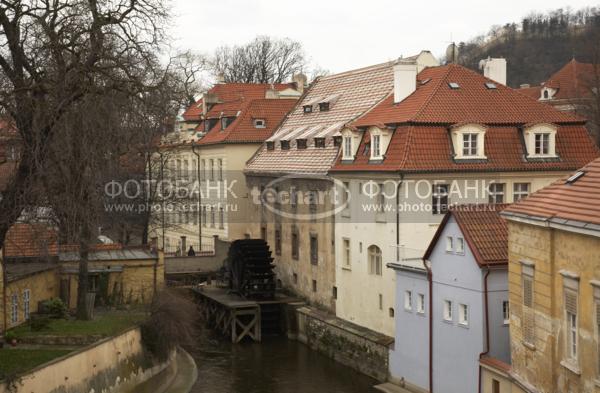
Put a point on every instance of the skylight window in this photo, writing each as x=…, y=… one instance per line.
x=575, y=177
x=307, y=108
x=425, y=81
x=491, y=86
x=454, y=85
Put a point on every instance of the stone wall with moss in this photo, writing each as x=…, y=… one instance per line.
x=354, y=346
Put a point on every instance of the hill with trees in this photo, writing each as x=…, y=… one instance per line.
x=539, y=45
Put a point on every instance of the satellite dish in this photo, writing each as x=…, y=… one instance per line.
x=452, y=53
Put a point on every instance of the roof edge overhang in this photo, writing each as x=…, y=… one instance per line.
x=580, y=227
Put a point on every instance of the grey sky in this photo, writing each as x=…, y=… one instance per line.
x=343, y=34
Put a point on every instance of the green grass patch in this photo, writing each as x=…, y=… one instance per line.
x=104, y=324
x=13, y=361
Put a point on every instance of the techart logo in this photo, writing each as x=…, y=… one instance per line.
x=283, y=197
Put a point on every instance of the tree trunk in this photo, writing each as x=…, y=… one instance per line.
x=83, y=307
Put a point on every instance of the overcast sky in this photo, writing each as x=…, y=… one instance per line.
x=339, y=35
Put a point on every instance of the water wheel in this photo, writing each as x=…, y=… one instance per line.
x=251, y=269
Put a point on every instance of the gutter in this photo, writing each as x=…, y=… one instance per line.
x=197, y=154
x=487, y=324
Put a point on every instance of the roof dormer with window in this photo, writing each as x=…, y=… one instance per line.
x=379, y=141
x=547, y=93
x=350, y=143
x=540, y=140
x=469, y=142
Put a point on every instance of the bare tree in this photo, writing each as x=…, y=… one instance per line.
x=264, y=60
x=78, y=78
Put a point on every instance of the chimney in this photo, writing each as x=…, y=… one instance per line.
x=405, y=79
x=300, y=82
x=495, y=69
x=220, y=78
x=524, y=86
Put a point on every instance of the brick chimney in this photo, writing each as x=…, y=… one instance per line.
x=405, y=78
x=300, y=82
x=495, y=69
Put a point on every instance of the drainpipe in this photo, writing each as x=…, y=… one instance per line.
x=487, y=324
x=398, y=217
x=197, y=154
x=430, y=282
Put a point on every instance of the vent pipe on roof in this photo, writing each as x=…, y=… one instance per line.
x=495, y=69
x=405, y=79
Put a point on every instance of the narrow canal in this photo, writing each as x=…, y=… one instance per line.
x=276, y=365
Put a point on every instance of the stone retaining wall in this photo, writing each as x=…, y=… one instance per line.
x=354, y=346
x=115, y=365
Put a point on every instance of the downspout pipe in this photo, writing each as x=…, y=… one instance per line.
x=398, y=186
x=197, y=154
x=430, y=283
x=487, y=323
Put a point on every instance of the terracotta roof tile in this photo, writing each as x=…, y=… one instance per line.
x=574, y=80
x=31, y=240
x=355, y=92
x=576, y=201
x=242, y=130
x=484, y=230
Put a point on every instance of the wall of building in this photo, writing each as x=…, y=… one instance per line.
x=41, y=286
x=346, y=343
x=551, y=251
x=365, y=228
x=115, y=364
x=134, y=284
x=409, y=360
x=298, y=275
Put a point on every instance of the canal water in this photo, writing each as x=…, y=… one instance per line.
x=277, y=365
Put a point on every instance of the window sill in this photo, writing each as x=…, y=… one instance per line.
x=421, y=313
x=448, y=321
x=345, y=214
x=529, y=346
x=347, y=268
x=569, y=365
x=408, y=310
x=463, y=325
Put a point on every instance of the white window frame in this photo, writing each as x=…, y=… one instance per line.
x=260, y=123
x=375, y=260
x=449, y=244
x=506, y=312
x=220, y=168
x=421, y=303
x=347, y=252
x=463, y=314
x=348, y=147
x=495, y=193
x=376, y=153
x=571, y=319
x=460, y=245
x=26, y=304
x=463, y=145
x=14, y=308
x=520, y=191
x=448, y=315
x=408, y=300
x=530, y=134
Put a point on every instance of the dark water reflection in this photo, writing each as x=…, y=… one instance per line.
x=277, y=365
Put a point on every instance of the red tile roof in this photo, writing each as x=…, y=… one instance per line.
x=484, y=230
x=421, y=141
x=232, y=97
x=565, y=202
x=31, y=240
x=242, y=130
x=574, y=80
x=351, y=94
x=436, y=102
x=427, y=148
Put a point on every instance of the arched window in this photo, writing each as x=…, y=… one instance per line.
x=375, y=260
x=546, y=95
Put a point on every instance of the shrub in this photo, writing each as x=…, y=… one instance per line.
x=171, y=323
x=54, y=308
x=39, y=322
x=10, y=336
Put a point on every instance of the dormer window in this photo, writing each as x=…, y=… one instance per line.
x=376, y=147
x=546, y=94
x=307, y=108
x=337, y=141
x=348, y=153
x=226, y=121
x=209, y=124
x=285, y=145
x=542, y=144
x=540, y=141
x=469, y=141
x=323, y=106
x=301, y=143
x=470, y=144
x=319, y=142
x=260, y=123
x=270, y=145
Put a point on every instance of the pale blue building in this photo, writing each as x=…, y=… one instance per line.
x=463, y=313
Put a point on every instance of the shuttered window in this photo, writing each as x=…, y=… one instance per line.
x=571, y=321
x=528, y=310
